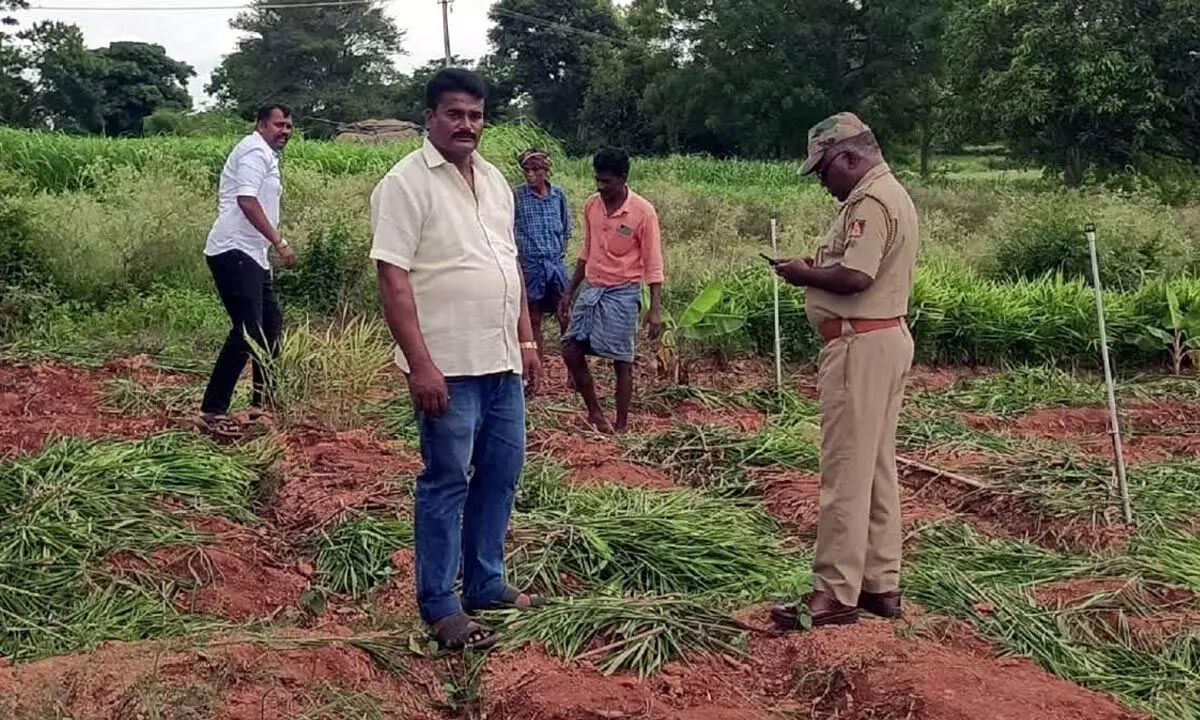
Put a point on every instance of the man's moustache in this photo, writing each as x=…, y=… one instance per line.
x=464, y=136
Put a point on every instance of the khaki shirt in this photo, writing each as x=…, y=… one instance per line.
x=461, y=256
x=875, y=233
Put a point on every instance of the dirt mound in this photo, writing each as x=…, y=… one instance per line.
x=619, y=472
x=231, y=681
x=1151, y=431
x=794, y=498
x=868, y=671
x=41, y=401
x=528, y=684
x=327, y=473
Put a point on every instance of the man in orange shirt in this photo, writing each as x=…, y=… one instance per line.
x=622, y=248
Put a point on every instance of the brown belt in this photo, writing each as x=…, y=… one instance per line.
x=832, y=329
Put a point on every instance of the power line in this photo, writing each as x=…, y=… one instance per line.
x=563, y=27
x=187, y=8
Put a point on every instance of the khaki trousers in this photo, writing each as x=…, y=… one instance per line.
x=861, y=379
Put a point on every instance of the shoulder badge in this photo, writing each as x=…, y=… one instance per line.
x=856, y=229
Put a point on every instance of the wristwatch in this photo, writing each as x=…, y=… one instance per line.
x=529, y=346
x=282, y=244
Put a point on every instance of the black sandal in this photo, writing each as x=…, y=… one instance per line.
x=459, y=632
x=508, y=601
x=220, y=425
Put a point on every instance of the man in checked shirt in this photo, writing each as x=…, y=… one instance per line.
x=543, y=227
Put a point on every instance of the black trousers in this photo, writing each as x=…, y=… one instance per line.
x=249, y=298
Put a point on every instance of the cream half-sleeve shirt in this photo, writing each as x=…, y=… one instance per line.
x=461, y=256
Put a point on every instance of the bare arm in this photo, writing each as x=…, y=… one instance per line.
x=835, y=279
x=426, y=383
x=400, y=311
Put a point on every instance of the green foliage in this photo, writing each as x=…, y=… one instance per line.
x=1016, y=391
x=1075, y=87
x=1136, y=240
x=356, y=556
x=548, y=58
x=632, y=540
x=106, y=90
x=641, y=633
x=330, y=64
x=211, y=123
x=330, y=270
x=64, y=512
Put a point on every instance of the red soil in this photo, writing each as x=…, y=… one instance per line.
x=1151, y=431
x=327, y=473
x=866, y=671
x=619, y=472
x=234, y=681
x=46, y=400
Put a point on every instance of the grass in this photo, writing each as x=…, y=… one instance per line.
x=64, y=512
x=355, y=557
x=329, y=376
x=715, y=459
x=1015, y=391
x=634, y=540
x=639, y=634
x=958, y=572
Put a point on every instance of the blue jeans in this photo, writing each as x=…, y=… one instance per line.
x=473, y=457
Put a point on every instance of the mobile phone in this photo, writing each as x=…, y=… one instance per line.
x=768, y=258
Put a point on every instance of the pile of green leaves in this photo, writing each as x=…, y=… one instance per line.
x=64, y=512
x=356, y=555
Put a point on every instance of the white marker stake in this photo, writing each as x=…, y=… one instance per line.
x=1114, y=423
x=778, y=342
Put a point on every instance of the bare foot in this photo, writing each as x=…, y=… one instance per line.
x=621, y=428
x=601, y=423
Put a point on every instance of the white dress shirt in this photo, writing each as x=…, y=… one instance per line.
x=252, y=169
x=461, y=256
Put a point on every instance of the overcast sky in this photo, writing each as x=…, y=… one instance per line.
x=201, y=37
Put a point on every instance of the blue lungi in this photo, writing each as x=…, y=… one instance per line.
x=545, y=281
x=605, y=318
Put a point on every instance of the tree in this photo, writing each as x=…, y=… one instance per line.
x=548, y=46
x=17, y=104
x=69, y=77
x=104, y=91
x=331, y=64
x=1075, y=86
x=136, y=80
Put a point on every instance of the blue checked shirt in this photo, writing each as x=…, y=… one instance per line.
x=543, y=225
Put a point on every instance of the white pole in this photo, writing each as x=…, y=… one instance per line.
x=1114, y=423
x=778, y=342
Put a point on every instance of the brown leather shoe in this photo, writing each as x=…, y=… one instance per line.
x=826, y=610
x=884, y=605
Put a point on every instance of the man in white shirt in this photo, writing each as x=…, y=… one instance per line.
x=453, y=296
x=250, y=192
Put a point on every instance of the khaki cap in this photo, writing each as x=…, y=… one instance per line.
x=828, y=133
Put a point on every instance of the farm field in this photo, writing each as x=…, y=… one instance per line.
x=149, y=573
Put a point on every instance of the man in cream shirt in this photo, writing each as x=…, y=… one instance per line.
x=452, y=294
x=246, y=227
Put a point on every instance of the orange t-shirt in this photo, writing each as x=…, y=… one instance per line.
x=623, y=247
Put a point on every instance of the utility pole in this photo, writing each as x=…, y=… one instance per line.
x=446, y=26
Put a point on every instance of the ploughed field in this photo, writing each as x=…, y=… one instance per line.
x=146, y=572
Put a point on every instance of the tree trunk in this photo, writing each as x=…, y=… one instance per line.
x=1075, y=167
x=926, y=150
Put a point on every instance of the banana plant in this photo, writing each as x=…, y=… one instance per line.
x=1180, y=332
x=683, y=336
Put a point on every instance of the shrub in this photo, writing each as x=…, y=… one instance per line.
x=1136, y=239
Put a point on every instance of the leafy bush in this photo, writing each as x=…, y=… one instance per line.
x=332, y=265
x=1136, y=239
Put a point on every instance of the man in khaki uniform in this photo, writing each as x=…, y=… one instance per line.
x=857, y=298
